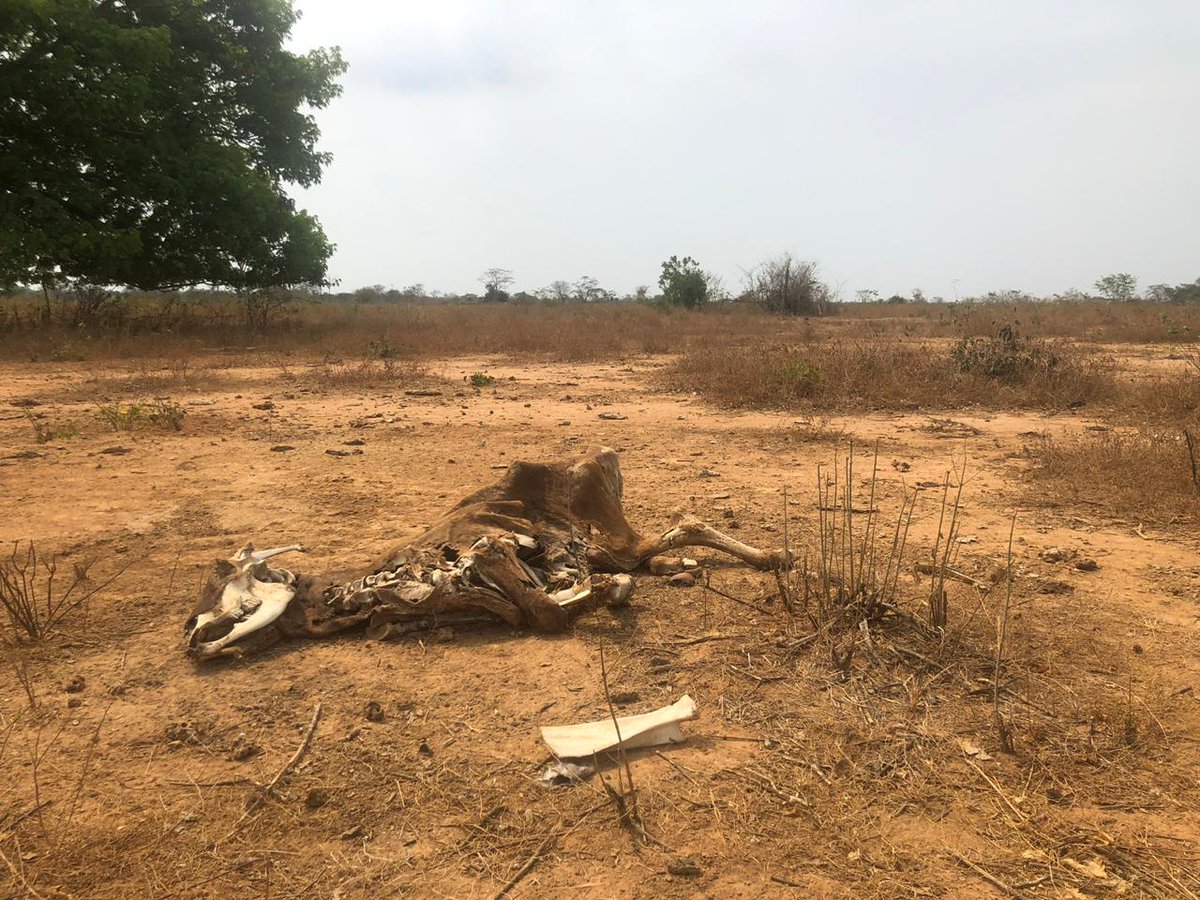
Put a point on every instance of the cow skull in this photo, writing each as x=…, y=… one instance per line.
x=243, y=596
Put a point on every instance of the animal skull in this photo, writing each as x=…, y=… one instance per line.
x=249, y=595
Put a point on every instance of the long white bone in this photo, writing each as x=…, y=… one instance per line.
x=250, y=555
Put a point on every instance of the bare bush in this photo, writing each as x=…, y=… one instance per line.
x=790, y=286
x=35, y=604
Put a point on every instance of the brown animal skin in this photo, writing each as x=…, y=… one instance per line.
x=504, y=552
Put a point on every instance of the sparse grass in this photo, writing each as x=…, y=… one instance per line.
x=166, y=415
x=44, y=431
x=1147, y=474
x=481, y=379
x=363, y=374
x=893, y=374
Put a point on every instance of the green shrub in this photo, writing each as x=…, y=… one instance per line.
x=164, y=414
x=1006, y=356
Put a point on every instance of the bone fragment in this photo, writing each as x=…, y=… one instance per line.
x=646, y=730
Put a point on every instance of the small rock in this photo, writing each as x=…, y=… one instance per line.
x=75, y=685
x=709, y=473
x=1055, y=554
x=683, y=579
x=355, y=442
x=265, y=405
x=612, y=416
x=282, y=448
x=74, y=702
x=115, y=451
x=183, y=733
x=1087, y=564
x=900, y=465
x=315, y=798
x=683, y=867
x=1053, y=586
x=374, y=711
x=425, y=749
x=244, y=748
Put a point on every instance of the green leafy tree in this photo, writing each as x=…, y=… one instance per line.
x=148, y=143
x=683, y=282
x=1119, y=286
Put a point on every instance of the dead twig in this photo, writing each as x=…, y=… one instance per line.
x=703, y=639
x=708, y=587
x=986, y=875
x=953, y=575
x=300, y=751
x=20, y=877
x=528, y=866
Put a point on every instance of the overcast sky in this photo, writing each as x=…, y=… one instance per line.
x=953, y=146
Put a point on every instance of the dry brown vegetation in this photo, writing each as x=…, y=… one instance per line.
x=924, y=706
x=1149, y=474
x=157, y=327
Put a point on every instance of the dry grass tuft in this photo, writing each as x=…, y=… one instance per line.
x=1148, y=474
x=362, y=374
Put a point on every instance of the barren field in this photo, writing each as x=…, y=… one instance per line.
x=864, y=762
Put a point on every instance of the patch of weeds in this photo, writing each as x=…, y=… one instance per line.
x=1005, y=356
x=481, y=379
x=383, y=348
x=1176, y=330
x=44, y=432
x=797, y=376
x=163, y=414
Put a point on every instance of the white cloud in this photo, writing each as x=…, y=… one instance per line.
x=1019, y=144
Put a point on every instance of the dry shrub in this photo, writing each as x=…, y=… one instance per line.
x=35, y=597
x=1149, y=474
x=894, y=374
x=363, y=374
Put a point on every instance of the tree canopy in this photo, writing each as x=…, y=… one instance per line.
x=683, y=282
x=148, y=143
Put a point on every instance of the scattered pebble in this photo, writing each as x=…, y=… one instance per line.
x=684, y=867
x=244, y=748
x=75, y=685
x=315, y=798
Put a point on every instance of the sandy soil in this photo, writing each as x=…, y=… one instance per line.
x=793, y=782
